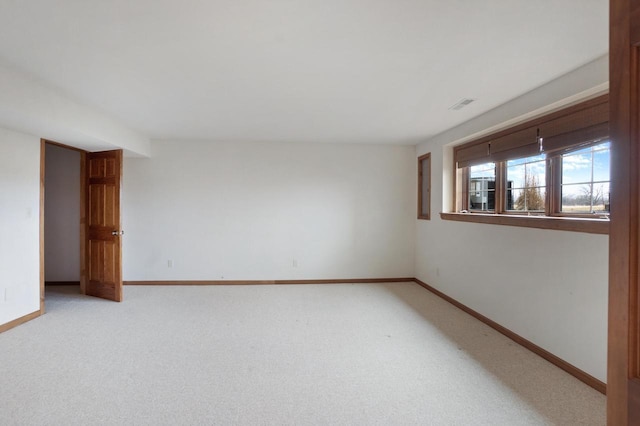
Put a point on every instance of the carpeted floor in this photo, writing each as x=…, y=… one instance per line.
x=363, y=354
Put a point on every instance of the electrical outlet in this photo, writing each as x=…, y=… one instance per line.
x=437, y=272
x=294, y=263
x=170, y=263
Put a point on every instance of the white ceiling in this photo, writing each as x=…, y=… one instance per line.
x=379, y=71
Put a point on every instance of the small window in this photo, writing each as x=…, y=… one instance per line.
x=586, y=180
x=526, y=184
x=482, y=187
x=424, y=186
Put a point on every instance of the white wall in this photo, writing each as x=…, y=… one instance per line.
x=27, y=105
x=548, y=286
x=62, y=214
x=249, y=210
x=19, y=225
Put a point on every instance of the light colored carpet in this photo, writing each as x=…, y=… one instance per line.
x=363, y=354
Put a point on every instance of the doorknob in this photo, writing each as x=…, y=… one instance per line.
x=116, y=233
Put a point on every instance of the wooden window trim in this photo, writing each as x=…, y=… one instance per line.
x=559, y=223
x=421, y=214
x=496, y=196
x=511, y=142
x=460, y=186
x=501, y=199
x=554, y=180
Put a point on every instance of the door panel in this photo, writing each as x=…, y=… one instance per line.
x=104, y=236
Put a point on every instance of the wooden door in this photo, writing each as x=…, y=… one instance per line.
x=103, y=259
x=623, y=377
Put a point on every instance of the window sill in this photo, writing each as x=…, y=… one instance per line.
x=591, y=226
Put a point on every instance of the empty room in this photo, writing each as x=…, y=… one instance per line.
x=319, y=212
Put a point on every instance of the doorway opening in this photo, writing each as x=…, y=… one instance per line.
x=80, y=225
x=63, y=218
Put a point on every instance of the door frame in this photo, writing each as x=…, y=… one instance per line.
x=83, y=216
x=623, y=376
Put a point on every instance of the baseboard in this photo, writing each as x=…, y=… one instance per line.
x=46, y=283
x=19, y=321
x=558, y=362
x=271, y=282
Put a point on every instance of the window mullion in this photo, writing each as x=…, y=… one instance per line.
x=591, y=185
x=548, y=202
x=501, y=187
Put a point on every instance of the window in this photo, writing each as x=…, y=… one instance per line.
x=585, y=180
x=424, y=186
x=553, y=167
x=526, y=184
x=482, y=187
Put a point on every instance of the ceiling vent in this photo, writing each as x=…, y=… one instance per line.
x=461, y=104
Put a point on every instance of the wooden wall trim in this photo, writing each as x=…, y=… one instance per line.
x=634, y=399
x=269, y=282
x=624, y=241
x=19, y=321
x=43, y=149
x=83, y=223
x=553, y=359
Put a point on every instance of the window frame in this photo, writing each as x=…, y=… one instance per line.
x=496, y=196
x=503, y=206
x=568, y=126
x=424, y=192
x=556, y=196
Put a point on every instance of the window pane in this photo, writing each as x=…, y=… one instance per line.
x=482, y=187
x=576, y=167
x=515, y=176
x=585, y=198
x=585, y=180
x=526, y=179
x=602, y=164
